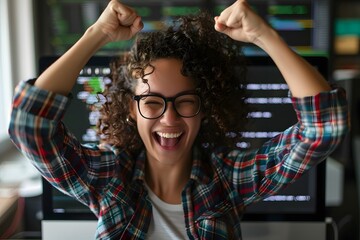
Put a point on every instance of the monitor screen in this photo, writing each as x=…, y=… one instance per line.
x=305, y=25
x=271, y=113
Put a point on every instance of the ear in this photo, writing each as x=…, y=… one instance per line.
x=133, y=110
x=202, y=115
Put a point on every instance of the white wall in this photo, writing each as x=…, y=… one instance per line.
x=22, y=38
x=5, y=69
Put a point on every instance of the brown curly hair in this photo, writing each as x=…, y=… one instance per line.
x=211, y=59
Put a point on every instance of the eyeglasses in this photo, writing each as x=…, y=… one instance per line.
x=153, y=106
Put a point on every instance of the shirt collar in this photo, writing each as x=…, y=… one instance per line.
x=201, y=168
x=139, y=172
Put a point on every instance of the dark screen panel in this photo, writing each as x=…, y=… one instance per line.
x=271, y=113
x=305, y=25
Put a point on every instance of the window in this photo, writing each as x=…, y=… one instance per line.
x=5, y=71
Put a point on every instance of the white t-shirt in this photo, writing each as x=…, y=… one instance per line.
x=167, y=220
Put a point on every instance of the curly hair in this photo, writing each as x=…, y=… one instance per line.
x=211, y=59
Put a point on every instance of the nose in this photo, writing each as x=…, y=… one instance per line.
x=170, y=115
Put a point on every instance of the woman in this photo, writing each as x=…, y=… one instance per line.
x=166, y=168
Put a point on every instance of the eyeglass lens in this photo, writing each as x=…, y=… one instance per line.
x=187, y=105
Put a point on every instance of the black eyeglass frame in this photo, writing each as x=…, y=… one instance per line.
x=137, y=98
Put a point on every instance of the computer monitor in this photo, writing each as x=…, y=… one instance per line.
x=305, y=25
x=272, y=112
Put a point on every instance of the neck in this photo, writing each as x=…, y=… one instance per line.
x=167, y=180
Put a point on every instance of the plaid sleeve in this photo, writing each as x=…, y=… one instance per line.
x=322, y=124
x=36, y=129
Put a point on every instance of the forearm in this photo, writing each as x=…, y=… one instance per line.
x=242, y=24
x=61, y=76
x=117, y=22
x=302, y=78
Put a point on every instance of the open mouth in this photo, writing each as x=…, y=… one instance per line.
x=168, y=140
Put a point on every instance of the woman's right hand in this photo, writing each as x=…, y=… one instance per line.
x=118, y=22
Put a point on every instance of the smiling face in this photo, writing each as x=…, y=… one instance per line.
x=169, y=138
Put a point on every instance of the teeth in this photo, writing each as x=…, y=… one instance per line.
x=168, y=135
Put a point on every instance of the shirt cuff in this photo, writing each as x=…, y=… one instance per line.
x=323, y=106
x=39, y=102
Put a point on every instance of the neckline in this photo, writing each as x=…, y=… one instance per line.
x=160, y=203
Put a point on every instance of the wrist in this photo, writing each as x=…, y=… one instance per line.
x=97, y=37
x=267, y=40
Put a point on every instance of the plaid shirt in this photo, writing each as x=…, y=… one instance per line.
x=110, y=181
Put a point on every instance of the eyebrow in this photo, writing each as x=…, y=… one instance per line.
x=180, y=93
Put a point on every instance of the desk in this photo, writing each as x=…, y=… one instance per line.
x=8, y=208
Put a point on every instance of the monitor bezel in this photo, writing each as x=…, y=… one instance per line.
x=321, y=63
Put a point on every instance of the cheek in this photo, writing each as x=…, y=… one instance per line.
x=144, y=127
x=195, y=125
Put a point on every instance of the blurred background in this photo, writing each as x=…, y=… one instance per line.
x=32, y=29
